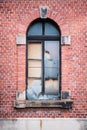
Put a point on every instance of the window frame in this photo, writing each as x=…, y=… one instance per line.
x=42, y=38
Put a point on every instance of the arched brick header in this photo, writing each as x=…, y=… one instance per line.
x=52, y=14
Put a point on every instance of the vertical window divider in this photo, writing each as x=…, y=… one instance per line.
x=60, y=69
x=43, y=78
x=26, y=67
x=43, y=84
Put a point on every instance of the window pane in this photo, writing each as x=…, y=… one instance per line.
x=51, y=59
x=34, y=88
x=51, y=87
x=50, y=29
x=34, y=51
x=35, y=29
x=51, y=73
x=51, y=67
x=34, y=72
x=34, y=63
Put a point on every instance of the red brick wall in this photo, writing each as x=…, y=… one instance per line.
x=71, y=16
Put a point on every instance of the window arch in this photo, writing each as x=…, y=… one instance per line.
x=43, y=52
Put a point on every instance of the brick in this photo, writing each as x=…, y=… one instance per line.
x=16, y=16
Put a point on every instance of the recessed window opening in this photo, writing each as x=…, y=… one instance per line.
x=43, y=71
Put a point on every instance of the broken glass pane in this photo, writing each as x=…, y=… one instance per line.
x=34, y=88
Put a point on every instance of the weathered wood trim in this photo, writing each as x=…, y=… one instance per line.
x=43, y=103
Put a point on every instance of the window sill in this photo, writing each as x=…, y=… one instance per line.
x=63, y=103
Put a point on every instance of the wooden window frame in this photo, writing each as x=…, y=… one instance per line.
x=43, y=38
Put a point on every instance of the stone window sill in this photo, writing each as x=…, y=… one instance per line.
x=63, y=103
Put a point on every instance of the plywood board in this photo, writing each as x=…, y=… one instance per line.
x=34, y=72
x=35, y=51
x=34, y=63
x=51, y=87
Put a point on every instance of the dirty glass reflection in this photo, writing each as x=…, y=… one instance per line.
x=51, y=67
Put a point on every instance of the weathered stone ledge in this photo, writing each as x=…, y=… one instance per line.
x=64, y=103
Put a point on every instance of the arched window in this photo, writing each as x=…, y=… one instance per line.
x=43, y=73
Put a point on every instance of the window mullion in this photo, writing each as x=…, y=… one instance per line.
x=43, y=79
x=43, y=84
